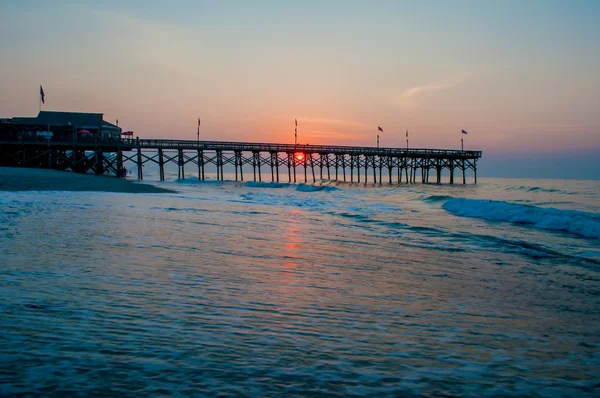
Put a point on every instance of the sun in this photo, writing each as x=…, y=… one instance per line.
x=299, y=157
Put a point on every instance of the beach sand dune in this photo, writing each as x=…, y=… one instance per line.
x=23, y=179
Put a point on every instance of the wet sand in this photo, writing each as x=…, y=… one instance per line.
x=23, y=179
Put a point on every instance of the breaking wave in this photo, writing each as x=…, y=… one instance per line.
x=315, y=188
x=526, y=188
x=437, y=198
x=573, y=221
x=255, y=184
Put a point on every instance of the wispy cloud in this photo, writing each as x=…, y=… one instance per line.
x=408, y=98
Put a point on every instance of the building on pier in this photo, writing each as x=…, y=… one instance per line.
x=59, y=126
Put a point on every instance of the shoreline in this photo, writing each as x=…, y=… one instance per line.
x=13, y=179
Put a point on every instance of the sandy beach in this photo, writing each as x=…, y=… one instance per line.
x=23, y=179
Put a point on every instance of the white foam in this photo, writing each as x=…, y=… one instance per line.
x=574, y=221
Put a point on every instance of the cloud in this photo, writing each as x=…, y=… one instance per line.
x=408, y=98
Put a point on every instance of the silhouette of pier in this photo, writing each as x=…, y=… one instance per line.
x=268, y=161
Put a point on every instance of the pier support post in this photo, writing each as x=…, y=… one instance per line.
x=271, y=154
x=235, y=164
x=321, y=165
x=380, y=169
x=161, y=165
x=202, y=163
x=304, y=164
x=289, y=166
x=366, y=169
x=140, y=163
x=374, y=169
x=180, y=170
x=277, y=165
x=220, y=165
x=258, y=161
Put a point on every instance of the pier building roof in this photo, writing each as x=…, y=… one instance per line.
x=56, y=118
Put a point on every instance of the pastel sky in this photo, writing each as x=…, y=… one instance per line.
x=522, y=77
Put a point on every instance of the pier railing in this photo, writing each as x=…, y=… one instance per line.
x=305, y=148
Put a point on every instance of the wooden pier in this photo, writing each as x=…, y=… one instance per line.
x=268, y=161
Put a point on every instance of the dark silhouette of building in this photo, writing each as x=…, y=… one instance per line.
x=59, y=126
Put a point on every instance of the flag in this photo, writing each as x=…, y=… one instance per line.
x=406, y=133
x=380, y=129
x=42, y=95
x=464, y=132
x=296, y=121
x=198, y=122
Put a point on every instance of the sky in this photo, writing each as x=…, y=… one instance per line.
x=521, y=77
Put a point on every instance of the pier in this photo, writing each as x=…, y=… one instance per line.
x=267, y=161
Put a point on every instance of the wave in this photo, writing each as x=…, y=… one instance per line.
x=437, y=198
x=573, y=221
x=315, y=188
x=256, y=184
x=539, y=189
x=195, y=181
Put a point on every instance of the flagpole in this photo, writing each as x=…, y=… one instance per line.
x=406, y=139
x=296, y=132
x=198, y=132
x=377, y=140
x=41, y=96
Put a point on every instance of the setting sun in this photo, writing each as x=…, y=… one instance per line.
x=299, y=157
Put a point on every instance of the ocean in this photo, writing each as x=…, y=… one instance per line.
x=328, y=289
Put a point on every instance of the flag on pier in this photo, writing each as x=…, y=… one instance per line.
x=198, y=122
x=296, y=121
x=42, y=95
x=380, y=129
x=406, y=133
x=464, y=132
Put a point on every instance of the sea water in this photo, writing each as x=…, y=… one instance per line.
x=326, y=289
